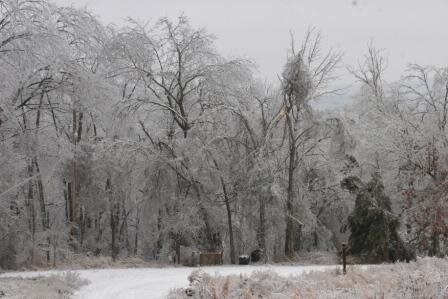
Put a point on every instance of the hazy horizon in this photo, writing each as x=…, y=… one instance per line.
x=260, y=30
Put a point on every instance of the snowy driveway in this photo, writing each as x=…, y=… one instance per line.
x=156, y=282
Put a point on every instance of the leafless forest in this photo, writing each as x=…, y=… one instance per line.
x=137, y=140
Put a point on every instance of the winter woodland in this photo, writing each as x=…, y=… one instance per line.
x=137, y=140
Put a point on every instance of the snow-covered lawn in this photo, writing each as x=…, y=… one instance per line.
x=155, y=282
x=424, y=278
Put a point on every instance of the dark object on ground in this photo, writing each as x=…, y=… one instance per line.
x=210, y=258
x=243, y=260
x=189, y=292
x=256, y=255
x=2, y=294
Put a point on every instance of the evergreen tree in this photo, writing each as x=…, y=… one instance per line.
x=373, y=226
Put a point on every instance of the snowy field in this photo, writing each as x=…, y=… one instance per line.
x=154, y=282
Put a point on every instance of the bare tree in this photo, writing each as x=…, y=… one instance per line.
x=370, y=73
x=305, y=77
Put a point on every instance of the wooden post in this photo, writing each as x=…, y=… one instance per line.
x=344, y=258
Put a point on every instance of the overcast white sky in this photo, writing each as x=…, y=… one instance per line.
x=408, y=30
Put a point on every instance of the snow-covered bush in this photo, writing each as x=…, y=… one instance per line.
x=54, y=286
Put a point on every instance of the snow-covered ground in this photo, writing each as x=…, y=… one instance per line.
x=155, y=282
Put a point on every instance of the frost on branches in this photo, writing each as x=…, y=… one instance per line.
x=135, y=141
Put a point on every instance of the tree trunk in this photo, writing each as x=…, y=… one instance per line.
x=435, y=245
x=82, y=221
x=261, y=236
x=30, y=203
x=289, y=233
x=41, y=196
x=66, y=192
x=297, y=236
x=43, y=211
x=114, y=220
x=177, y=241
x=229, y=222
x=99, y=235
x=137, y=223
x=124, y=231
x=72, y=216
x=114, y=228
x=40, y=188
x=386, y=239
x=30, y=196
x=72, y=189
x=205, y=218
x=159, y=243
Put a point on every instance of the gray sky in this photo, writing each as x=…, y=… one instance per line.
x=409, y=31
